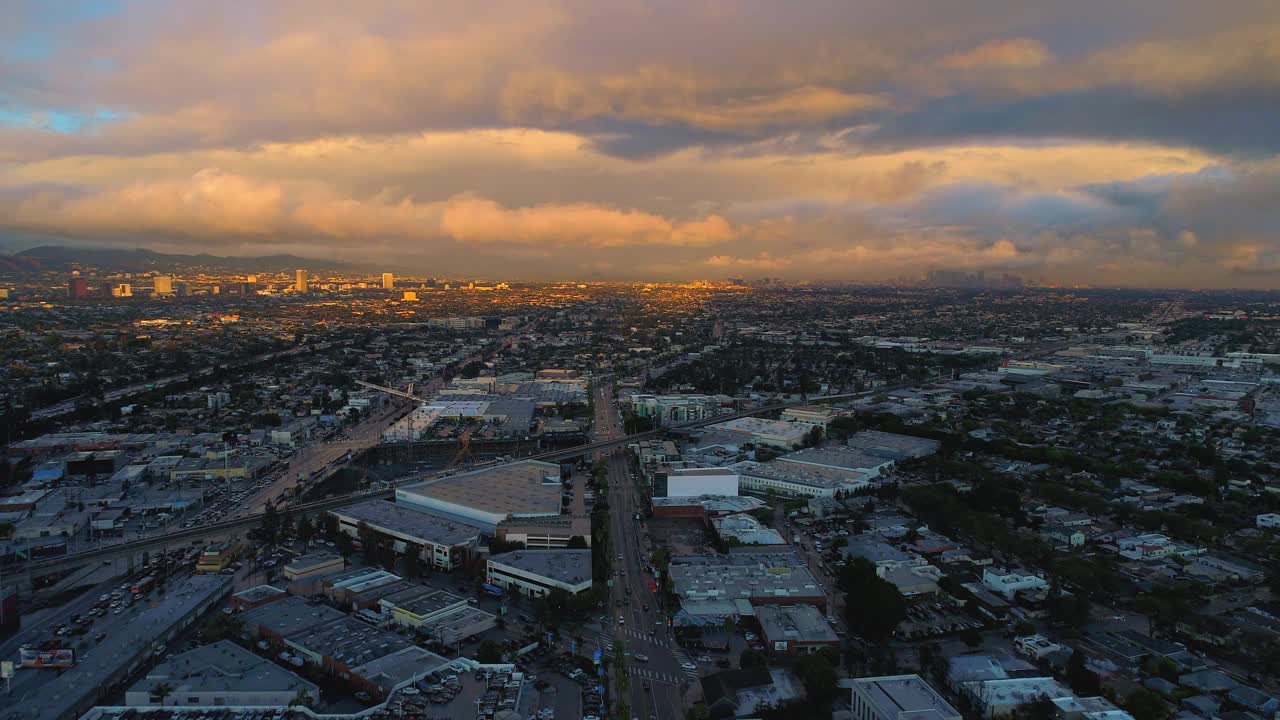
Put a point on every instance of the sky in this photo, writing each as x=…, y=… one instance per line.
x=1103, y=142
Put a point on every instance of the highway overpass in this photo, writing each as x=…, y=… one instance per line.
x=178, y=538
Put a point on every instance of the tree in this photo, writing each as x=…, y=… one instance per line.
x=345, y=545
x=306, y=530
x=301, y=698
x=489, y=653
x=873, y=606
x=1084, y=682
x=577, y=542
x=752, y=659
x=163, y=691
x=818, y=673
x=698, y=712
x=1143, y=704
x=270, y=523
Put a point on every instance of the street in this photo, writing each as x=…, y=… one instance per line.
x=636, y=618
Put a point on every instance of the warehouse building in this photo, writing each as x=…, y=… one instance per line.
x=484, y=498
x=219, y=674
x=535, y=573
x=443, y=543
x=693, y=482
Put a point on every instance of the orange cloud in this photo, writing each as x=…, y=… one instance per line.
x=1012, y=53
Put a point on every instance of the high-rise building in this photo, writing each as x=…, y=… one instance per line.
x=77, y=288
x=388, y=281
x=163, y=285
x=301, y=284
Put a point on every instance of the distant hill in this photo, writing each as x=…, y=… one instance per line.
x=65, y=257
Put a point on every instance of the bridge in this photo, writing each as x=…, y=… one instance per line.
x=179, y=538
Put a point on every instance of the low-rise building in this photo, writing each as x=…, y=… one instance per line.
x=285, y=618
x=219, y=674
x=256, y=596
x=898, y=697
x=444, y=544
x=820, y=416
x=692, y=482
x=791, y=481
x=745, y=530
x=312, y=565
x=769, y=433
x=795, y=629
x=535, y=573
x=1008, y=583
x=892, y=445
x=999, y=698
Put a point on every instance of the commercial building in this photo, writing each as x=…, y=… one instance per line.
x=535, y=573
x=819, y=416
x=484, y=498
x=162, y=285
x=693, y=482
x=219, y=674
x=774, y=578
x=256, y=596
x=388, y=281
x=744, y=529
x=301, y=283
x=673, y=409
x=442, y=543
x=795, y=629
x=771, y=433
x=361, y=587
x=898, y=697
x=313, y=565
x=546, y=532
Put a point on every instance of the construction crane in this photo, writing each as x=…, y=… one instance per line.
x=464, y=450
x=408, y=395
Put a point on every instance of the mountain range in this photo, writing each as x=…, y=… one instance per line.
x=53, y=258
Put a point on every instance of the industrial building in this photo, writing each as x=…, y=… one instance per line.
x=484, y=498
x=771, y=433
x=219, y=674
x=443, y=543
x=693, y=482
x=790, y=480
x=535, y=573
x=546, y=532
x=892, y=445
x=838, y=462
x=313, y=565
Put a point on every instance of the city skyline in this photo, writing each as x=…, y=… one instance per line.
x=855, y=142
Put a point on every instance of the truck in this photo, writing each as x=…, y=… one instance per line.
x=143, y=585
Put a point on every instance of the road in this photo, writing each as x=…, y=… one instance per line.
x=643, y=629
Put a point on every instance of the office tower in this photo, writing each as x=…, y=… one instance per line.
x=388, y=281
x=301, y=284
x=77, y=288
x=164, y=285
x=251, y=279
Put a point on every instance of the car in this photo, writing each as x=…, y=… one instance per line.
x=646, y=685
x=411, y=690
x=622, y=620
x=618, y=603
x=688, y=665
x=705, y=659
x=641, y=657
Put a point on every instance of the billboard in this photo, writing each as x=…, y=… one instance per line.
x=47, y=657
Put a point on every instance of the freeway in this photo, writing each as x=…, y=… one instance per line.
x=252, y=518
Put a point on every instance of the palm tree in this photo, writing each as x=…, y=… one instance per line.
x=162, y=691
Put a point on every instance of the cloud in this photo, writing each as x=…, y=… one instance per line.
x=212, y=204
x=1013, y=53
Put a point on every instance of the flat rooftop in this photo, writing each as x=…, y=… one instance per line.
x=289, y=616
x=258, y=593
x=527, y=487
x=413, y=523
x=222, y=666
x=350, y=642
x=303, y=563
x=899, y=696
x=795, y=623
x=391, y=670
x=836, y=457
x=567, y=566
x=423, y=600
